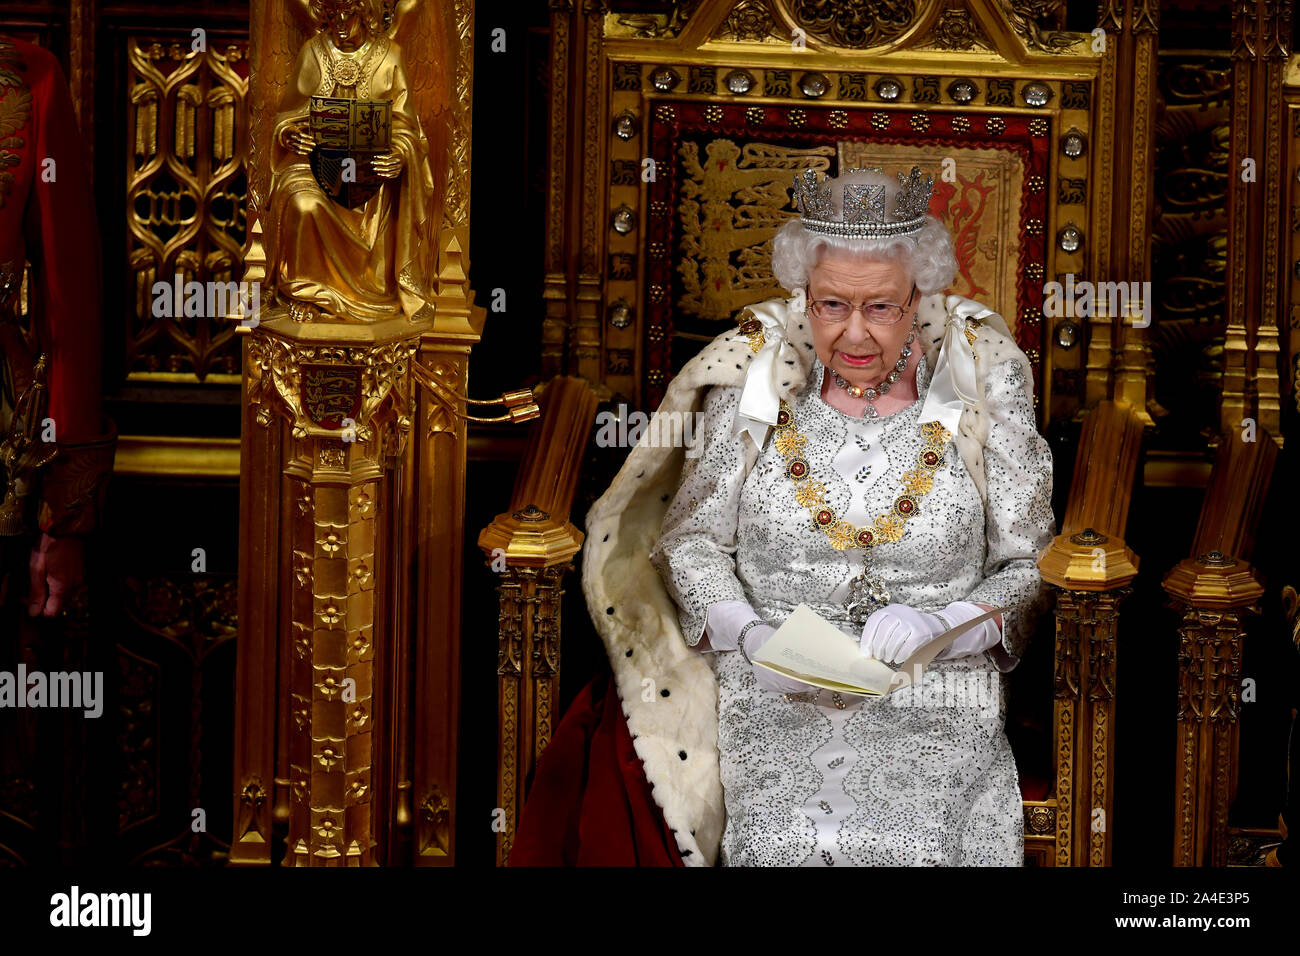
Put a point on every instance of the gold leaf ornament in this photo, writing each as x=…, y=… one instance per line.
x=752, y=328
x=790, y=443
x=15, y=109
x=809, y=493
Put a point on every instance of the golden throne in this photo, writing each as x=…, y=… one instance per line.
x=683, y=130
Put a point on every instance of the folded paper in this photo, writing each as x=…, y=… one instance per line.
x=809, y=648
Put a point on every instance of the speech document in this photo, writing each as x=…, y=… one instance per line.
x=811, y=649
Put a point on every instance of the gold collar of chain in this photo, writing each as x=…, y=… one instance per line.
x=811, y=493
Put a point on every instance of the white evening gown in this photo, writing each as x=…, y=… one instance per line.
x=924, y=776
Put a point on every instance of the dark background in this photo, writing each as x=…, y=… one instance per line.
x=166, y=636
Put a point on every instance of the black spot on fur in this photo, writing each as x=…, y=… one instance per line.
x=665, y=497
x=681, y=754
x=606, y=538
x=783, y=385
x=737, y=365
x=664, y=692
x=789, y=361
x=642, y=474
x=609, y=610
x=629, y=652
x=685, y=853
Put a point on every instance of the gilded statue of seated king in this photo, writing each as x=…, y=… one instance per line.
x=348, y=232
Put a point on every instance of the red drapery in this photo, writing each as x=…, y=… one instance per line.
x=590, y=803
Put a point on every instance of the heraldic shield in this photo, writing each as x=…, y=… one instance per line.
x=348, y=134
x=331, y=394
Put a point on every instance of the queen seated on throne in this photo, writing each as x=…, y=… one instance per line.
x=868, y=447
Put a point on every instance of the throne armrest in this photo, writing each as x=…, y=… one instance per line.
x=531, y=547
x=1213, y=589
x=1089, y=568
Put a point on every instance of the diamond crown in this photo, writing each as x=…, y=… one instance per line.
x=864, y=215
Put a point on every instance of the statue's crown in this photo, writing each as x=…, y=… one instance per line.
x=864, y=214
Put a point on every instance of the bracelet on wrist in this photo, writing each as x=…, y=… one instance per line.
x=740, y=638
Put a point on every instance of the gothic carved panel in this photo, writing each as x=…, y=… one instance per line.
x=856, y=24
x=173, y=661
x=186, y=198
x=1190, y=246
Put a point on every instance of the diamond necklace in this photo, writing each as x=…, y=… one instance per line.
x=874, y=392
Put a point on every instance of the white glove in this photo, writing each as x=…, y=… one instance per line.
x=892, y=633
x=725, y=621
x=895, y=631
x=975, y=641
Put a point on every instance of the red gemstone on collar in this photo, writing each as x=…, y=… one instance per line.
x=905, y=505
x=864, y=537
x=797, y=468
x=930, y=458
x=825, y=517
x=783, y=417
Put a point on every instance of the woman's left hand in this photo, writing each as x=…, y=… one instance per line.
x=892, y=633
x=976, y=641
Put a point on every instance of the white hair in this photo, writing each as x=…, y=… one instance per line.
x=927, y=256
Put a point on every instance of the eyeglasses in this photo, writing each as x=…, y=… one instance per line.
x=876, y=313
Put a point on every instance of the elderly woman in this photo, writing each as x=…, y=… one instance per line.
x=867, y=448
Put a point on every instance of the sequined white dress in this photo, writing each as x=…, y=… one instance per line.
x=925, y=776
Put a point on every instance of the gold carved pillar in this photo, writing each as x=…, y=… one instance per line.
x=1258, y=169
x=334, y=511
x=434, y=713
x=1212, y=590
x=1209, y=692
x=1118, y=352
x=1083, y=711
x=430, y=737
x=1290, y=246
x=574, y=266
x=528, y=656
x=555, y=284
x=1090, y=568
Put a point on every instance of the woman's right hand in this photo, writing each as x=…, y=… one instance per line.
x=726, y=619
